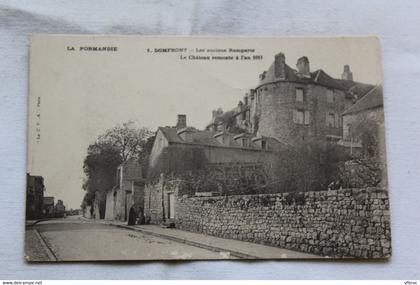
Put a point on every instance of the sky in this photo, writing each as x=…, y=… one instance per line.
x=84, y=93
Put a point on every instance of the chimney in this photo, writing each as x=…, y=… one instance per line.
x=240, y=105
x=302, y=66
x=217, y=113
x=182, y=121
x=280, y=66
x=246, y=98
x=347, y=74
x=251, y=94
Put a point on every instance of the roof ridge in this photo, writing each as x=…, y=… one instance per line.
x=360, y=101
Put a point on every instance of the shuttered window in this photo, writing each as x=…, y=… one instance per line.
x=333, y=120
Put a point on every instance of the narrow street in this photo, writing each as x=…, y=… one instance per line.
x=72, y=239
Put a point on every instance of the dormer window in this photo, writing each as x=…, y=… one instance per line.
x=263, y=144
x=245, y=142
x=222, y=138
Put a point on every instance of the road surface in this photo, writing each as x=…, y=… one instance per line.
x=73, y=239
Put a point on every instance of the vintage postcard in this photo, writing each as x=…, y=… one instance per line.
x=168, y=148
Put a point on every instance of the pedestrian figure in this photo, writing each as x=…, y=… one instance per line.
x=132, y=215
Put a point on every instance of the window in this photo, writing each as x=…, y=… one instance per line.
x=299, y=94
x=337, y=121
x=330, y=96
x=333, y=120
x=245, y=142
x=263, y=144
x=301, y=117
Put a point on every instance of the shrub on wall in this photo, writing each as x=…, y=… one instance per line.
x=307, y=167
x=360, y=172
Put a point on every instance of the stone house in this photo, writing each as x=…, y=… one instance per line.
x=217, y=150
x=294, y=105
x=366, y=115
x=34, y=196
x=217, y=146
x=369, y=107
x=128, y=191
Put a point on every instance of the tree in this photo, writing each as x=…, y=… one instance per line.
x=99, y=166
x=112, y=148
x=127, y=138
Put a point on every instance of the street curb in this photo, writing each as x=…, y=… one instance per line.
x=189, y=242
x=47, y=249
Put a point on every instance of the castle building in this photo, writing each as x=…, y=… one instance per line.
x=288, y=107
x=294, y=105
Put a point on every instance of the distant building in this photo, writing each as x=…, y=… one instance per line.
x=87, y=212
x=34, y=196
x=59, y=209
x=48, y=207
x=99, y=205
x=128, y=191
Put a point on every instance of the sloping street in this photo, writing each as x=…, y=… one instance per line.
x=76, y=238
x=72, y=239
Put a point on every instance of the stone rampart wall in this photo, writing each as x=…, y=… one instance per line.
x=339, y=223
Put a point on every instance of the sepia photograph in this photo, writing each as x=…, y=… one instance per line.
x=205, y=148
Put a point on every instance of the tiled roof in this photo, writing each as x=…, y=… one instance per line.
x=318, y=77
x=206, y=138
x=373, y=99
